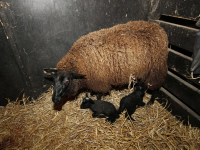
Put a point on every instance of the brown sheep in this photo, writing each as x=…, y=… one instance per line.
x=107, y=58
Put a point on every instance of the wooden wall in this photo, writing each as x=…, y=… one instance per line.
x=36, y=34
x=178, y=18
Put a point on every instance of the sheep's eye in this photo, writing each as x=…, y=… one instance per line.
x=66, y=82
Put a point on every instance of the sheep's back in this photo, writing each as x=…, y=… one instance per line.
x=109, y=56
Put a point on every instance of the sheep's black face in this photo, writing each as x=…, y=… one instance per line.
x=63, y=83
x=62, y=86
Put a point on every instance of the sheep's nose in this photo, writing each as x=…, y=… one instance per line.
x=57, y=100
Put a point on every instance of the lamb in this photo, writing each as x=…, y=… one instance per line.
x=104, y=59
x=133, y=100
x=100, y=109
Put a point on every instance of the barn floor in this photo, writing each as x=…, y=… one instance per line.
x=36, y=125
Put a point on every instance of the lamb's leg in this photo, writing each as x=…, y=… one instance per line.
x=112, y=118
x=153, y=97
x=97, y=115
x=121, y=108
x=140, y=104
x=101, y=116
x=129, y=113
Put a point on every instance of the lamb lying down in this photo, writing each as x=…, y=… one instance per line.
x=100, y=109
x=133, y=100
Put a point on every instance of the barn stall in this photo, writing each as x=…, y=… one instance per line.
x=37, y=34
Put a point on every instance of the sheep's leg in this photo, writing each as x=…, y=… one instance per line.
x=99, y=96
x=153, y=96
x=92, y=93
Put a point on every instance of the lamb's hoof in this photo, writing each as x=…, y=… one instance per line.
x=150, y=103
x=131, y=119
x=108, y=120
x=143, y=104
x=111, y=122
x=95, y=116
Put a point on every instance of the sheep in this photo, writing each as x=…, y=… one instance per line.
x=100, y=109
x=105, y=59
x=133, y=100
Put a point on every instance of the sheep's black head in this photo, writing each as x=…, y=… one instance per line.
x=64, y=83
x=86, y=102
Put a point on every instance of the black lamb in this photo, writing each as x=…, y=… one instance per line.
x=100, y=109
x=133, y=100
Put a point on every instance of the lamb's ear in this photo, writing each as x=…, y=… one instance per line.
x=86, y=94
x=77, y=76
x=91, y=101
x=50, y=72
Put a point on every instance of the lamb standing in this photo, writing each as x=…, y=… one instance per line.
x=100, y=109
x=133, y=100
x=107, y=58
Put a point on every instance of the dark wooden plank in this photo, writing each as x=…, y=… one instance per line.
x=14, y=49
x=179, y=109
x=12, y=85
x=184, y=91
x=188, y=9
x=179, y=35
x=181, y=64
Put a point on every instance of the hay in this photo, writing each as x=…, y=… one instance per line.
x=36, y=125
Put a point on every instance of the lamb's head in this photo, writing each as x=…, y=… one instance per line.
x=140, y=86
x=65, y=83
x=86, y=103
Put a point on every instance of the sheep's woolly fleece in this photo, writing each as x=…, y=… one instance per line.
x=36, y=125
x=108, y=56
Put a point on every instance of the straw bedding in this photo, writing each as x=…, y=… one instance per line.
x=36, y=125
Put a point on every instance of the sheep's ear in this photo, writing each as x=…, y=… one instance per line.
x=50, y=72
x=77, y=76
